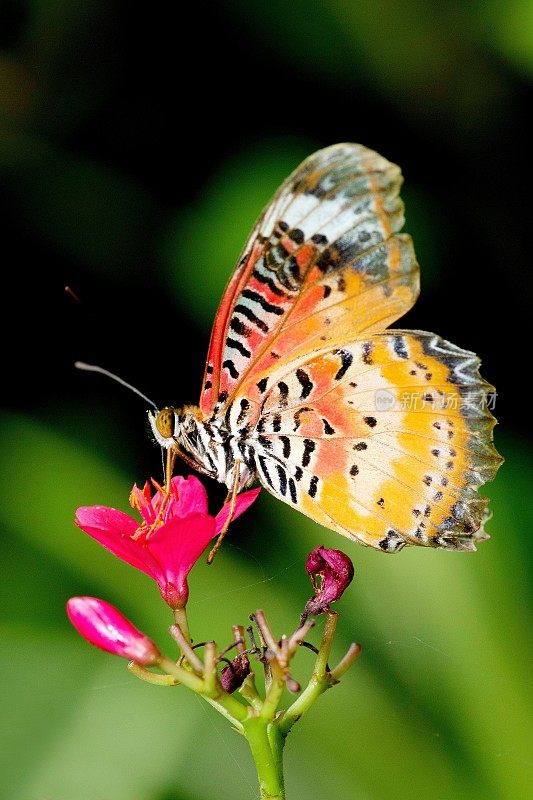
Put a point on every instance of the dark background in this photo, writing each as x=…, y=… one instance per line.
x=115, y=119
x=137, y=147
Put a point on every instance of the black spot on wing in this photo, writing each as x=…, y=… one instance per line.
x=259, y=276
x=306, y=383
x=238, y=326
x=399, y=345
x=234, y=344
x=282, y=475
x=283, y=394
x=292, y=491
x=264, y=470
x=346, y=362
x=328, y=430
x=249, y=314
x=392, y=542
x=313, y=485
x=245, y=405
x=260, y=300
x=309, y=447
x=230, y=366
x=286, y=442
x=297, y=235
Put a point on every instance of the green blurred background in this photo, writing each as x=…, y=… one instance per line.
x=137, y=146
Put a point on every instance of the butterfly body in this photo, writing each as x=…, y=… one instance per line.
x=211, y=445
x=382, y=435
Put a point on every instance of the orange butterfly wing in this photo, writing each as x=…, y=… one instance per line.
x=384, y=440
x=324, y=262
x=383, y=436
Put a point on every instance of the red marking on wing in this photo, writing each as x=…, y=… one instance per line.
x=218, y=335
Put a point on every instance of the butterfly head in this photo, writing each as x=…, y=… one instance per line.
x=172, y=425
x=182, y=429
x=164, y=425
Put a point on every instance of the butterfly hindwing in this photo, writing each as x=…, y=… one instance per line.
x=324, y=263
x=385, y=439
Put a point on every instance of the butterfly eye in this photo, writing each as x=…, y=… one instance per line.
x=164, y=423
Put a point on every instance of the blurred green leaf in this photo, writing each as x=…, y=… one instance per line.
x=202, y=244
x=507, y=27
x=422, y=57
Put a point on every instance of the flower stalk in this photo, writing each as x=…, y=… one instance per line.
x=175, y=529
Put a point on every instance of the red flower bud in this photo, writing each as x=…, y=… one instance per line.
x=235, y=673
x=331, y=572
x=105, y=627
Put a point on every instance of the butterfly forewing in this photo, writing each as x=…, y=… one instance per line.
x=323, y=263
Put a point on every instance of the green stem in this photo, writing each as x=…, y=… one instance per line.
x=180, y=618
x=151, y=677
x=316, y=686
x=234, y=710
x=320, y=680
x=274, y=693
x=266, y=744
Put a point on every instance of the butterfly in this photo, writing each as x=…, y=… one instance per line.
x=383, y=435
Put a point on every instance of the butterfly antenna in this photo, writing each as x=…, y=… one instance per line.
x=93, y=368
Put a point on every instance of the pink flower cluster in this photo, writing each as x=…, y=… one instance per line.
x=174, y=532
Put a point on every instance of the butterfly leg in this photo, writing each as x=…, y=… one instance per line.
x=233, y=501
x=144, y=529
x=169, y=469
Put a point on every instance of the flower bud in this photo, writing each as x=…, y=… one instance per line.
x=331, y=572
x=105, y=627
x=235, y=673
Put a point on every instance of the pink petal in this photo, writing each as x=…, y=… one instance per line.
x=177, y=545
x=114, y=529
x=244, y=501
x=105, y=627
x=105, y=517
x=188, y=497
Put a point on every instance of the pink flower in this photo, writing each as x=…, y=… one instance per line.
x=170, y=538
x=331, y=572
x=105, y=627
